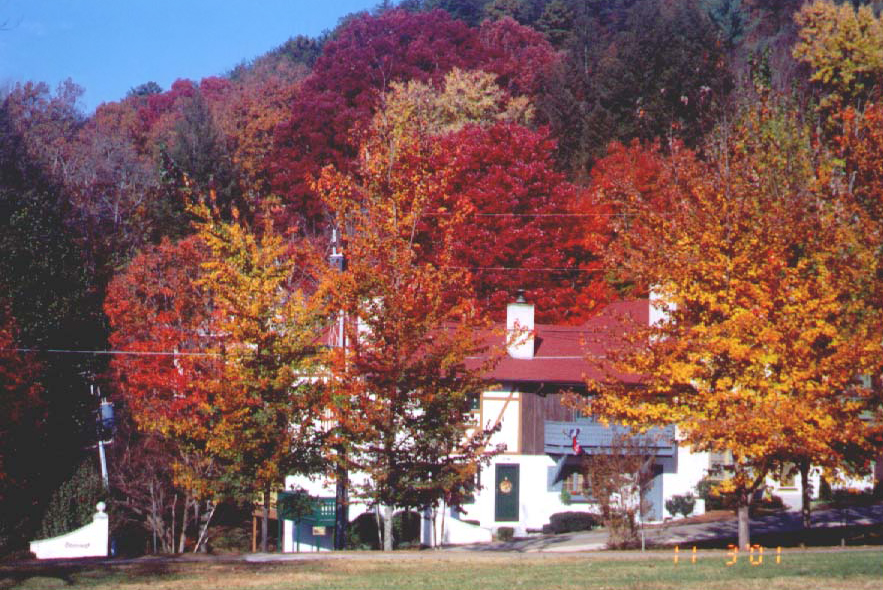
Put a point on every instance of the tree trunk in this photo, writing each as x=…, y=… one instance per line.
x=341, y=504
x=387, y=527
x=203, y=536
x=182, y=542
x=171, y=536
x=805, y=493
x=742, y=512
x=379, y=522
x=436, y=543
x=196, y=522
x=265, y=521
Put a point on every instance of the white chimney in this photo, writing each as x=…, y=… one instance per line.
x=658, y=310
x=520, y=329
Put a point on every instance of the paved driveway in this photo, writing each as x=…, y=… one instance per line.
x=775, y=526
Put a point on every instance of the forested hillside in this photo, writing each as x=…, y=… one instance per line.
x=528, y=131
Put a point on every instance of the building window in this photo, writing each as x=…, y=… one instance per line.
x=576, y=485
x=718, y=462
x=788, y=476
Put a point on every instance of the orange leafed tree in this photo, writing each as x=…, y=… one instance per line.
x=763, y=267
x=861, y=145
x=222, y=340
x=402, y=385
x=161, y=319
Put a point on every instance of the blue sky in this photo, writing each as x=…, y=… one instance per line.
x=110, y=46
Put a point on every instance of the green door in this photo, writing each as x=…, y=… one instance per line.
x=506, y=506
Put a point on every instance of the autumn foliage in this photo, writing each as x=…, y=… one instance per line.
x=523, y=226
x=527, y=228
x=466, y=150
x=370, y=53
x=161, y=316
x=764, y=269
x=22, y=412
x=401, y=383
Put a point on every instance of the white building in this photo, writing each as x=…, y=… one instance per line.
x=522, y=486
x=544, y=437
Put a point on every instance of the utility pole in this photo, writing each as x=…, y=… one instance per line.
x=104, y=427
x=341, y=498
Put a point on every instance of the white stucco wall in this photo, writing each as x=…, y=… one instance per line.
x=536, y=502
x=680, y=474
x=504, y=406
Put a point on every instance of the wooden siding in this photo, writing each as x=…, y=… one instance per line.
x=535, y=410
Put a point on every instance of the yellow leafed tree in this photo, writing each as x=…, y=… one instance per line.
x=765, y=270
x=844, y=47
x=266, y=404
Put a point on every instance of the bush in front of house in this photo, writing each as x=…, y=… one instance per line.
x=767, y=503
x=505, y=533
x=571, y=522
x=853, y=496
x=706, y=489
x=682, y=505
x=406, y=529
x=362, y=532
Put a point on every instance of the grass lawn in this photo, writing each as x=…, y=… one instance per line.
x=846, y=570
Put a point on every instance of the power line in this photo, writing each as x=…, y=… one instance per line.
x=112, y=352
x=535, y=215
x=541, y=269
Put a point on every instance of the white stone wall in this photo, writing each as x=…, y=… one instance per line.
x=452, y=531
x=87, y=541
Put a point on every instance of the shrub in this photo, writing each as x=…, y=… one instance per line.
x=406, y=529
x=72, y=505
x=569, y=522
x=705, y=489
x=825, y=492
x=229, y=539
x=362, y=532
x=505, y=533
x=682, y=505
x=853, y=497
x=766, y=504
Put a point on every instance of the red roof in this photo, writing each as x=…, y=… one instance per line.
x=560, y=352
